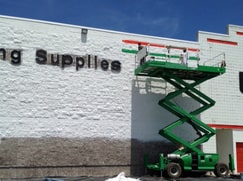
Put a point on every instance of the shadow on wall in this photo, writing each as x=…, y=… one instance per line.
x=148, y=118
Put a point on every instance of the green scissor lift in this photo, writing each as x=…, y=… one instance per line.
x=188, y=157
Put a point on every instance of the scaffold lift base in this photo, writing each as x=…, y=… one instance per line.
x=188, y=156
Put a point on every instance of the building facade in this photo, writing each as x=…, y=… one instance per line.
x=227, y=114
x=71, y=105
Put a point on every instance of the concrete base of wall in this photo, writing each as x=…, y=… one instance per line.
x=41, y=157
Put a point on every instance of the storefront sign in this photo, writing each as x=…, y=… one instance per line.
x=62, y=60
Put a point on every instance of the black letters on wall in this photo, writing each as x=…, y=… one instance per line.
x=116, y=65
x=104, y=64
x=79, y=62
x=53, y=61
x=241, y=81
x=66, y=60
x=41, y=57
x=2, y=54
x=16, y=57
x=13, y=55
x=62, y=60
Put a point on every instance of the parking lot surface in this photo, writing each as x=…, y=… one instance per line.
x=143, y=178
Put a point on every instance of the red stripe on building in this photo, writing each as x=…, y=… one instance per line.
x=144, y=43
x=158, y=45
x=182, y=48
x=239, y=33
x=222, y=41
x=193, y=50
x=222, y=126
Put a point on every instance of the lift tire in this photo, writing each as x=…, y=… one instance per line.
x=221, y=170
x=173, y=170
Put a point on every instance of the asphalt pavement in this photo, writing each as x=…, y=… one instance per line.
x=143, y=178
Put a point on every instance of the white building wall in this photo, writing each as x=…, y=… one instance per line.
x=224, y=89
x=96, y=114
x=210, y=145
x=227, y=113
x=47, y=104
x=41, y=100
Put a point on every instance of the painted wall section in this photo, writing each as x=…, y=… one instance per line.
x=98, y=106
x=227, y=112
x=45, y=100
x=48, y=101
x=94, y=121
x=224, y=90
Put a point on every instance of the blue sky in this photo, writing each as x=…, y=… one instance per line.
x=180, y=19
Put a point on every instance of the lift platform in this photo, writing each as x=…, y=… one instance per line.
x=188, y=156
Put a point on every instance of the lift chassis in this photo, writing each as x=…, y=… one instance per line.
x=188, y=157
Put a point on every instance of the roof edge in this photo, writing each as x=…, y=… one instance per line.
x=95, y=29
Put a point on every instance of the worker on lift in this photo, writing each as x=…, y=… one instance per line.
x=184, y=57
